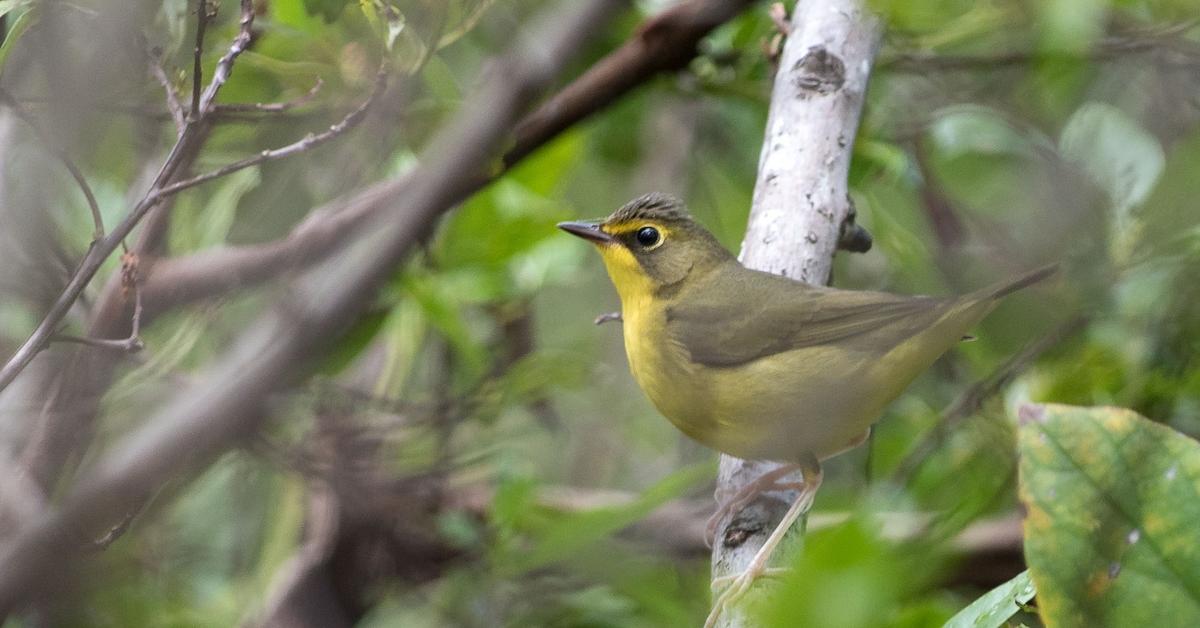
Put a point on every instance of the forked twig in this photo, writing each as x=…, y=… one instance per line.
x=197, y=54
x=187, y=142
x=276, y=107
x=133, y=343
x=174, y=107
x=309, y=142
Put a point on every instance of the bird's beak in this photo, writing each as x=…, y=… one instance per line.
x=587, y=230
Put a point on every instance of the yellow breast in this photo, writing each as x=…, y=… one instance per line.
x=661, y=367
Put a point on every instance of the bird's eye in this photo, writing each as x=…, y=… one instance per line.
x=648, y=236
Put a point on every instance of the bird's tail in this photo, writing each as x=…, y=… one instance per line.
x=1025, y=280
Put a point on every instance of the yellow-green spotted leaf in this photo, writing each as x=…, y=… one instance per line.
x=1112, y=526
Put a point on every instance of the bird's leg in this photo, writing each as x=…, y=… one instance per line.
x=740, y=584
x=768, y=481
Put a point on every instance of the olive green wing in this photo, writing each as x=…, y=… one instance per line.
x=742, y=316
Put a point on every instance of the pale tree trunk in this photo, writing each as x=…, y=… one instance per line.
x=800, y=202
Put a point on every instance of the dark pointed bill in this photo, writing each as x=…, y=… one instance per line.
x=587, y=231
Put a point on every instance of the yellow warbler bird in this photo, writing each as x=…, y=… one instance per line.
x=758, y=365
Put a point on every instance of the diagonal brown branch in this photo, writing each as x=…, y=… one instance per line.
x=664, y=43
x=209, y=417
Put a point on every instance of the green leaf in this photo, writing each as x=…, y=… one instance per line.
x=221, y=209
x=443, y=309
x=1112, y=500
x=847, y=576
x=995, y=607
x=354, y=342
x=968, y=129
x=329, y=10
x=209, y=225
x=18, y=28
x=1120, y=157
x=1071, y=26
x=8, y=6
x=464, y=16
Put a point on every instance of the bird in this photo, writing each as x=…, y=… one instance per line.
x=761, y=366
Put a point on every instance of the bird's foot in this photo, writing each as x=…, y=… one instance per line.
x=736, y=587
x=723, y=583
x=607, y=317
x=767, y=482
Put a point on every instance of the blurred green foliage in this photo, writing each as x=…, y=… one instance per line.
x=996, y=607
x=1065, y=130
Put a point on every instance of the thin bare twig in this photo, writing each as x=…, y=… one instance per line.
x=973, y=398
x=243, y=112
x=132, y=344
x=778, y=14
x=277, y=107
x=92, y=261
x=225, y=63
x=197, y=54
x=114, y=532
x=97, y=220
x=1116, y=46
x=309, y=142
x=174, y=107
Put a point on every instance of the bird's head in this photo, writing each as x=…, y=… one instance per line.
x=651, y=244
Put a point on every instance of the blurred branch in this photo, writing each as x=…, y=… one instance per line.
x=973, y=398
x=948, y=228
x=663, y=43
x=311, y=312
x=184, y=149
x=97, y=220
